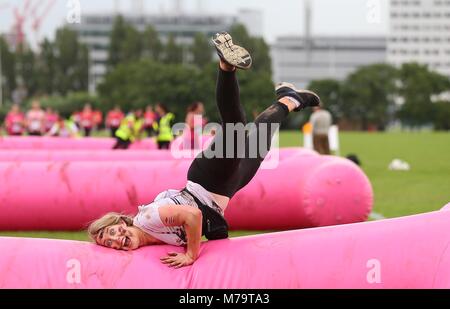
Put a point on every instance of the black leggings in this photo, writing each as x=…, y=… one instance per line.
x=225, y=175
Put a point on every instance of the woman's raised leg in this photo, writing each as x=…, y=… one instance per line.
x=215, y=166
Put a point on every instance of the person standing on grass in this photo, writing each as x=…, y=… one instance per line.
x=130, y=130
x=65, y=128
x=15, y=121
x=181, y=217
x=149, y=119
x=97, y=119
x=35, y=119
x=163, y=126
x=194, y=126
x=113, y=120
x=87, y=120
x=321, y=121
x=51, y=117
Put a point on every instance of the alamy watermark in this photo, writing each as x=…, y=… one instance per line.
x=73, y=275
x=73, y=11
x=229, y=141
x=374, y=273
x=373, y=15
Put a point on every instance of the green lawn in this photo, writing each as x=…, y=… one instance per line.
x=425, y=188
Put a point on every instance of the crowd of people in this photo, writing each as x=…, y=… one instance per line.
x=155, y=122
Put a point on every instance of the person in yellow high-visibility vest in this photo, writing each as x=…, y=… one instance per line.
x=163, y=126
x=138, y=127
x=129, y=130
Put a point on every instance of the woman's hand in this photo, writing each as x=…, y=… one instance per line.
x=191, y=219
x=177, y=260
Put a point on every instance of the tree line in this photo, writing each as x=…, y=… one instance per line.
x=374, y=96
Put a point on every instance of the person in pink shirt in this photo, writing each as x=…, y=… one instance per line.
x=87, y=120
x=194, y=125
x=97, y=118
x=113, y=120
x=51, y=117
x=35, y=120
x=15, y=121
x=149, y=119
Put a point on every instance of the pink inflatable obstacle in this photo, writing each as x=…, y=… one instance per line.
x=89, y=143
x=403, y=253
x=305, y=190
x=55, y=143
x=121, y=155
x=92, y=155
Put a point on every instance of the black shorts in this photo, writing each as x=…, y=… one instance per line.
x=214, y=225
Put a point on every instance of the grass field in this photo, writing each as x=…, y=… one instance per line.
x=426, y=187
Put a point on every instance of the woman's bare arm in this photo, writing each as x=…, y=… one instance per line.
x=191, y=219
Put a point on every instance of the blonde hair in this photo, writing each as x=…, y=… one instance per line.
x=109, y=219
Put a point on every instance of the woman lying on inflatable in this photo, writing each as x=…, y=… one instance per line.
x=180, y=218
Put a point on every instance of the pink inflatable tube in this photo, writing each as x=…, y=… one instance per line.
x=305, y=190
x=118, y=155
x=410, y=252
x=55, y=143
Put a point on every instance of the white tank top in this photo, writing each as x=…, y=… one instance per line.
x=149, y=221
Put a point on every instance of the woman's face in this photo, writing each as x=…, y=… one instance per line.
x=15, y=109
x=35, y=105
x=159, y=110
x=119, y=237
x=200, y=108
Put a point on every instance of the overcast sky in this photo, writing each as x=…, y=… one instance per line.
x=281, y=17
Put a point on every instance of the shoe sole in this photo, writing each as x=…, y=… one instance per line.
x=232, y=54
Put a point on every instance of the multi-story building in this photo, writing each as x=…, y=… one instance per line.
x=301, y=60
x=94, y=31
x=420, y=32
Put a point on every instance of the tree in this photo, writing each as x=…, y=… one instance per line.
x=368, y=95
x=151, y=44
x=71, y=62
x=442, y=116
x=73, y=101
x=117, y=37
x=45, y=67
x=262, y=62
x=201, y=51
x=257, y=47
x=25, y=69
x=144, y=82
x=8, y=69
x=131, y=47
x=330, y=92
x=418, y=85
x=241, y=36
x=173, y=51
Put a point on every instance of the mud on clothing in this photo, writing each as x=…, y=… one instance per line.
x=149, y=220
